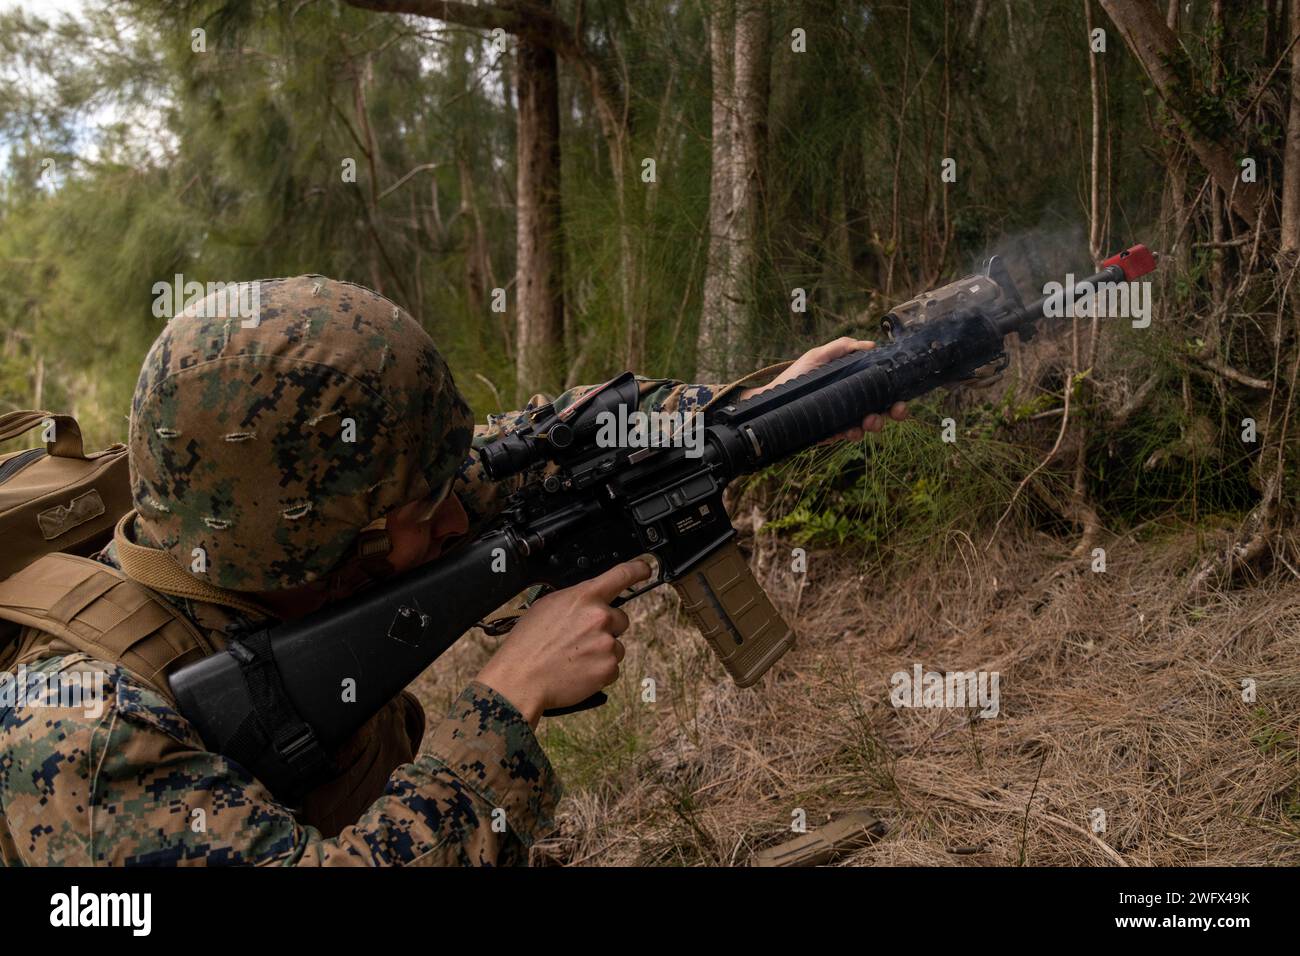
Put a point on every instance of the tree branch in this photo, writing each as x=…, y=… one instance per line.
x=531, y=22
x=1157, y=50
x=479, y=16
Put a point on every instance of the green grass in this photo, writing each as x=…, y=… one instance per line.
x=1269, y=738
x=589, y=750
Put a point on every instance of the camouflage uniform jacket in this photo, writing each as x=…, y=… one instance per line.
x=131, y=783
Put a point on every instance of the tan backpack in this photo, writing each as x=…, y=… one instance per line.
x=57, y=498
x=57, y=506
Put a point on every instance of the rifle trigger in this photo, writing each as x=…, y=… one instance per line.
x=656, y=579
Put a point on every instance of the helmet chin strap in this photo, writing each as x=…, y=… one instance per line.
x=370, y=561
x=373, y=549
x=368, y=564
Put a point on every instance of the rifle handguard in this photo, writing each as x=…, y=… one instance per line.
x=735, y=615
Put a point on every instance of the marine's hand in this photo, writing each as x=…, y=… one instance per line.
x=816, y=357
x=565, y=647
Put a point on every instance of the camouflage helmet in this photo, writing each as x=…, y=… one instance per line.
x=270, y=440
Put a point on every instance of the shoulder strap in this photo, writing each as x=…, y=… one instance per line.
x=156, y=569
x=103, y=613
x=67, y=441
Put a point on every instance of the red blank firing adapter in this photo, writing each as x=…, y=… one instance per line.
x=1135, y=261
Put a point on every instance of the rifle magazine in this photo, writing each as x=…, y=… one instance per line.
x=735, y=615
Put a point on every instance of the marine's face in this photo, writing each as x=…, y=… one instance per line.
x=416, y=536
x=418, y=532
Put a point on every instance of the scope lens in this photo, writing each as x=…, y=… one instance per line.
x=560, y=435
x=507, y=456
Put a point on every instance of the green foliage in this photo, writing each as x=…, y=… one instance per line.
x=900, y=493
x=229, y=165
x=1269, y=738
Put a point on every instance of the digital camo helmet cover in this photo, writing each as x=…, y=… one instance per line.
x=261, y=446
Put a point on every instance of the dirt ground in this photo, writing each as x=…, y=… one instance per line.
x=1124, y=735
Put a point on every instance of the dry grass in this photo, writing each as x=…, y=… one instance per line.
x=1114, y=695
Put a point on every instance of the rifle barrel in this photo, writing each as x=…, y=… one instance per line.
x=1131, y=264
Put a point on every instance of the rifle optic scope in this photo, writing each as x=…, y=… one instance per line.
x=554, y=436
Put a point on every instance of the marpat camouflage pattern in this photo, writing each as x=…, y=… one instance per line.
x=133, y=784
x=335, y=390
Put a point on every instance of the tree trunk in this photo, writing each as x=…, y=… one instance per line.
x=715, y=331
x=976, y=21
x=740, y=101
x=1178, y=244
x=1096, y=240
x=1156, y=48
x=1218, y=212
x=749, y=136
x=1290, y=241
x=1081, y=509
x=539, y=339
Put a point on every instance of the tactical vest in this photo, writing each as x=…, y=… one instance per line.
x=101, y=612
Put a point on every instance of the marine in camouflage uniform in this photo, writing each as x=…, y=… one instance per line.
x=238, y=454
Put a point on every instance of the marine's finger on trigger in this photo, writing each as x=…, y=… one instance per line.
x=618, y=579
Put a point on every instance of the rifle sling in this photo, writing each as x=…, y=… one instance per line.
x=273, y=721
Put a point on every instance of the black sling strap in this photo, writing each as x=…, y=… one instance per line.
x=274, y=723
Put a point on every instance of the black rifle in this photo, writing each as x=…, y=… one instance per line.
x=279, y=699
